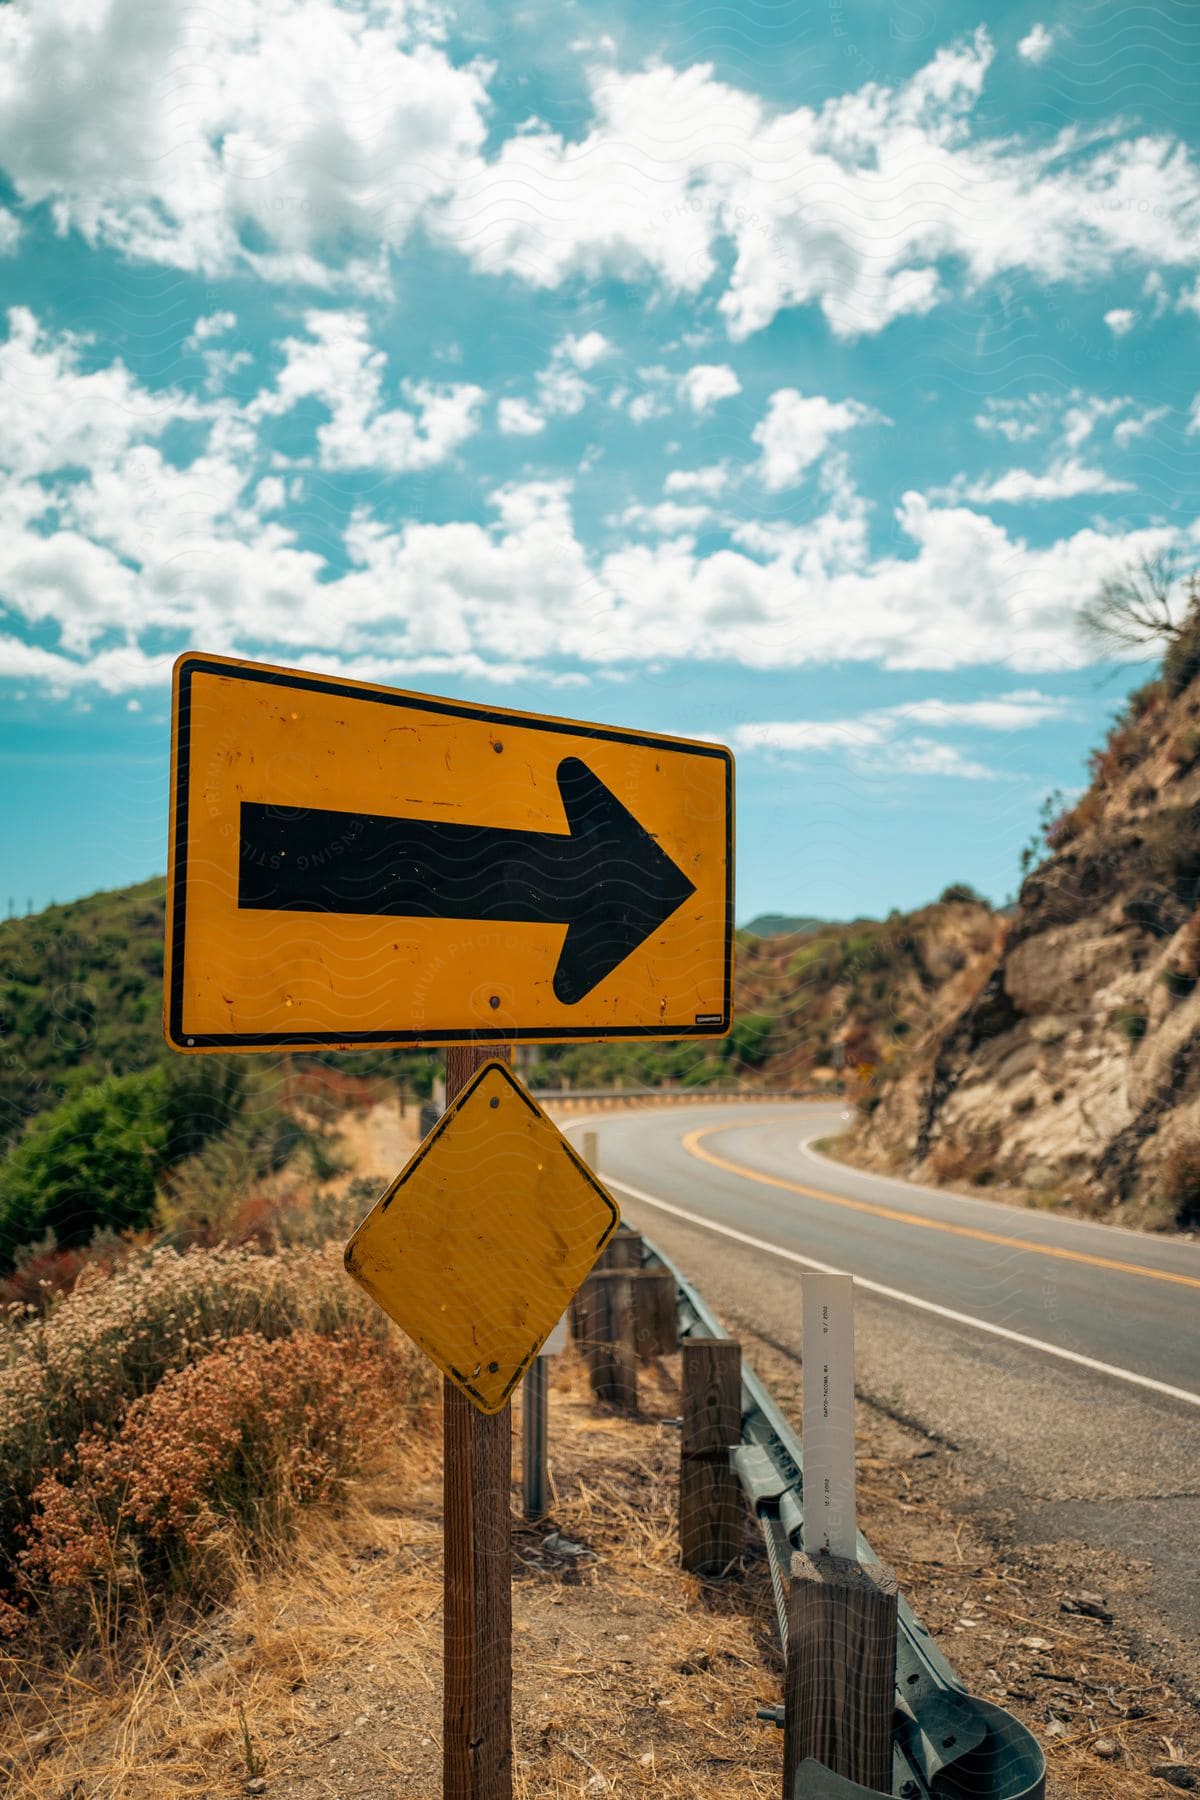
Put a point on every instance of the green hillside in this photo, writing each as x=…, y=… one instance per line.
x=80, y=997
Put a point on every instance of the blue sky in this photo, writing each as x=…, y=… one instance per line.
x=789, y=376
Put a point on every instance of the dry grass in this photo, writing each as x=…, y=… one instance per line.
x=624, y=1668
x=321, y=1674
x=325, y=1674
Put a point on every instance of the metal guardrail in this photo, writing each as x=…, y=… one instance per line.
x=430, y=1112
x=947, y=1745
x=614, y=1096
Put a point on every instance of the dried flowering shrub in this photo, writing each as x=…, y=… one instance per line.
x=113, y=1339
x=212, y=1463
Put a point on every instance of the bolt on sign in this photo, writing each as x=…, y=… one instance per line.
x=480, y=1242
x=355, y=865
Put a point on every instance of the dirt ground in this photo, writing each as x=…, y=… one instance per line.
x=322, y=1678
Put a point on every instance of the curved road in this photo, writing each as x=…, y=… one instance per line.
x=1062, y=1357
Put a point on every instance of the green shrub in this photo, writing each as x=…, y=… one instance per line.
x=1180, y=1181
x=1172, y=842
x=750, y=1040
x=89, y=1163
x=1130, y=1023
x=1183, y=751
x=961, y=893
x=94, y=1162
x=1181, y=664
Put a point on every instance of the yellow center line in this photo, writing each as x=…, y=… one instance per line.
x=692, y=1145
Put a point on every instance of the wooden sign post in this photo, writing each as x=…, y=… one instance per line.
x=477, y=1627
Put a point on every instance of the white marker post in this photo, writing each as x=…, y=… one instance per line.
x=830, y=1521
x=840, y=1682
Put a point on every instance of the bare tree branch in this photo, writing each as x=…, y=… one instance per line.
x=1144, y=608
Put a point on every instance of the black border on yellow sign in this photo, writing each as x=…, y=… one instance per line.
x=192, y=663
x=494, y=1066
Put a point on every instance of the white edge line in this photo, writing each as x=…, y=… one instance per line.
x=890, y=1293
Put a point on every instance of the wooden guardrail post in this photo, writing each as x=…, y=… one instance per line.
x=711, y=1514
x=840, y=1684
x=657, y=1328
x=622, y=1251
x=609, y=1336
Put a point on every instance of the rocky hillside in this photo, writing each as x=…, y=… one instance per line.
x=1073, y=1071
x=858, y=996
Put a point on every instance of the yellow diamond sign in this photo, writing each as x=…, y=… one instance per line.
x=483, y=1238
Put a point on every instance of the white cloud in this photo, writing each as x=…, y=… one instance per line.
x=561, y=388
x=170, y=133
x=10, y=231
x=1080, y=418
x=1065, y=479
x=1070, y=419
x=562, y=391
x=924, y=756
x=667, y=519
x=881, y=740
x=1188, y=300
x=1015, y=711
x=1014, y=420
x=213, y=325
x=141, y=556
x=654, y=401
x=1138, y=425
x=868, y=207
x=220, y=361
x=797, y=429
x=336, y=364
x=52, y=415
x=712, y=480
x=280, y=153
x=585, y=351
x=1155, y=290
x=1120, y=319
x=269, y=495
x=516, y=418
x=1036, y=47
x=705, y=383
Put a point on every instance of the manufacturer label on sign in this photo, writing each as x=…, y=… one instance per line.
x=356, y=865
x=479, y=1244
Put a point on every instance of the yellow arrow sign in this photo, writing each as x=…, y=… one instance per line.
x=481, y=1241
x=355, y=865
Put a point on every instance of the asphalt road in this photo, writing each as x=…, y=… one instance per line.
x=1061, y=1358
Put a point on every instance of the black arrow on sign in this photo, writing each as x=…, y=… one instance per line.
x=606, y=879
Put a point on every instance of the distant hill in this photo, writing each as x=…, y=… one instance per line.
x=81, y=998
x=769, y=925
